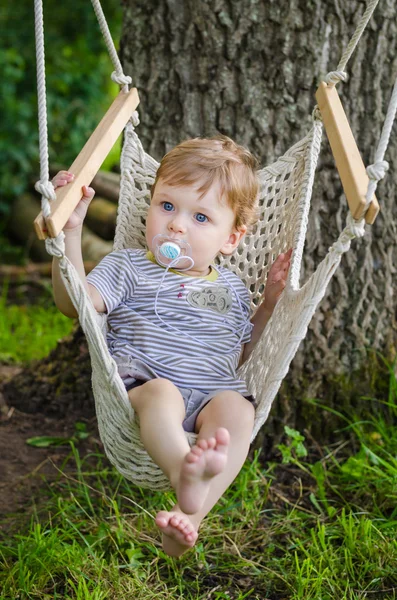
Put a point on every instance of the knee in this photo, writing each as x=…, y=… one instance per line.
x=237, y=411
x=150, y=392
x=158, y=387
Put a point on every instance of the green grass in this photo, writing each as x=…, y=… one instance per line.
x=324, y=529
x=318, y=523
x=29, y=331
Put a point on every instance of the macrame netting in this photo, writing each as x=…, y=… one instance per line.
x=285, y=193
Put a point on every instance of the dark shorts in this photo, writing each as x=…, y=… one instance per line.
x=194, y=401
x=135, y=373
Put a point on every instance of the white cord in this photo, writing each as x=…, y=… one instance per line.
x=201, y=342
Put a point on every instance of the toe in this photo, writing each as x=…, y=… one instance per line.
x=222, y=436
x=189, y=528
x=197, y=450
x=175, y=520
x=192, y=457
x=191, y=537
x=162, y=519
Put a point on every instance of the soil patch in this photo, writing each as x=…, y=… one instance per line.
x=26, y=471
x=58, y=386
x=45, y=398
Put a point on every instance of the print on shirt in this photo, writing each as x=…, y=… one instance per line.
x=217, y=299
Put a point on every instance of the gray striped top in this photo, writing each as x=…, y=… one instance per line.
x=191, y=334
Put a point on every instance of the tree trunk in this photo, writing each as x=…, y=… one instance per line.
x=249, y=69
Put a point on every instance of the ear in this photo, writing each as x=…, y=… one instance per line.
x=233, y=241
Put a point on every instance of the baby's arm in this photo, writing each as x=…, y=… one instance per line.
x=72, y=230
x=275, y=284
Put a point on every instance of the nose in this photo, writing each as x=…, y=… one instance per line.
x=176, y=225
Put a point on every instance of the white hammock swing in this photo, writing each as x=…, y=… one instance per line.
x=285, y=192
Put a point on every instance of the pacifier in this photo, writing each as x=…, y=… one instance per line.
x=170, y=252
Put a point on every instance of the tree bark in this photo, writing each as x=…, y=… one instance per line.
x=249, y=69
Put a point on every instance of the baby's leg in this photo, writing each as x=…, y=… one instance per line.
x=227, y=410
x=161, y=410
x=206, y=459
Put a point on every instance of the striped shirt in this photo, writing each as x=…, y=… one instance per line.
x=186, y=329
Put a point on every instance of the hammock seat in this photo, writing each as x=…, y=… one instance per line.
x=285, y=193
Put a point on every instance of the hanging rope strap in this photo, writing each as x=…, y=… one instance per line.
x=44, y=186
x=378, y=169
x=339, y=75
x=118, y=74
x=123, y=107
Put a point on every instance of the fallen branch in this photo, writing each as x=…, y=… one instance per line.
x=15, y=272
x=105, y=184
x=24, y=210
x=101, y=218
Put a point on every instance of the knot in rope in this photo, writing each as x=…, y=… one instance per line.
x=56, y=246
x=341, y=246
x=46, y=189
x=353, y=229
x=135, y=118
x=378, y=170
x=120, y=78
x=357, y=228
x=47, y=192
x=333, y=77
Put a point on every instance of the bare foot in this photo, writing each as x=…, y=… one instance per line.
x=178, y=532
x=205, y=460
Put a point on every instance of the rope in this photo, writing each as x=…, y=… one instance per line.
x=118, y=75
x=378, y=169
x=44, y=186
x=339, y=75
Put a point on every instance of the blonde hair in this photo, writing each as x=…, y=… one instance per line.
x=215, y=160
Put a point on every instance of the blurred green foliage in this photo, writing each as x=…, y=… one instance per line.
x=79, y=88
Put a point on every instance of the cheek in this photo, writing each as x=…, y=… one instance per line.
x=206, y=240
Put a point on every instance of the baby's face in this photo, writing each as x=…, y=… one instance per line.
x=206, y=223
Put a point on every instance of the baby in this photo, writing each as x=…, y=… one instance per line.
x=179, y=327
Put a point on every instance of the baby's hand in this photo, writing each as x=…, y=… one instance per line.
x=78, y=215
x=276, y=279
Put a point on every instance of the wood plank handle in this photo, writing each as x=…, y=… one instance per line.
x=88, y=163
x=346, y=154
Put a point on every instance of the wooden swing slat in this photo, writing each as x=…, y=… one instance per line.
x=346, y=154
x=87, y=164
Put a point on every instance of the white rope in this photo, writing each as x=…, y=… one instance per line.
x=44, y=186
x=118, y=75
x=378, y=169
x=339, y=75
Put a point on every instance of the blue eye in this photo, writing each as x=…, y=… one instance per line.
x=201, y=218
x=168, y=206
